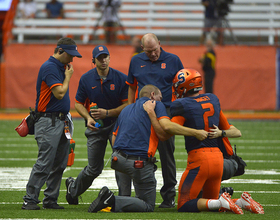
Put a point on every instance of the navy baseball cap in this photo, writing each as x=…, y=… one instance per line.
x=70, y=49
x=98, y=50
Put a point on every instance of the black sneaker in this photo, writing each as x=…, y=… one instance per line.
x=53, y=206
x=30, y=206
x=105, y=198
x=228, y=190
x=69, y=198
x=167, y=204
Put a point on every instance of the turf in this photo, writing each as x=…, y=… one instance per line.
x=259, y=146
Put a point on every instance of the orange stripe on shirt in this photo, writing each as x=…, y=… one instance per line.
x=79, y=102
x=153, y=143
x=132, y=84
x=228, y=146
x=224, y=125
x=137, y=92
x=45, y=96
x=116, y=132
x=135, y=83
x=163, y=117
x=86, y=104
x=179, y=120
x=57, y=84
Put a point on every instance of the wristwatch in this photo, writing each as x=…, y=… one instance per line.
x=223, y=133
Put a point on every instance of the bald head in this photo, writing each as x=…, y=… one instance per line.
x=149, y=38
x=151, y=46
x=151, y=92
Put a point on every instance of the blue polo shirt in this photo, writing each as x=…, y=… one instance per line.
x=51, y=74
x=54, y=8
x=199, y=112
x=134, y=131
x=107, y=94
x=143, y=71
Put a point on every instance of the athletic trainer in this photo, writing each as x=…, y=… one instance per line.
x=135, y=144
x=157, y=67
x=106, y=87
x=52, y=126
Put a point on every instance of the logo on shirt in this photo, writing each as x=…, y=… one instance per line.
x=93, y=87
x=142, y=66
x=181, y=78
x=112, y=87
x=163, y=65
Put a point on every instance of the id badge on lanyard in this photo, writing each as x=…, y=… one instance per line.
x=67, y=131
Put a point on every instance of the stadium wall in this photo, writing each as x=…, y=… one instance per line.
x=245, y=80
x=278, y=79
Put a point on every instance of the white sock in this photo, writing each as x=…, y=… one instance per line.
x=213, y=204
x=239, y=203
x=224, y=203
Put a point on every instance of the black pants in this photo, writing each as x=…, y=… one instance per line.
x=209, y=81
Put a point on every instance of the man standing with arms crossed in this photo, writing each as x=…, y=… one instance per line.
x=52, y=126
x=156, y=67
x=106, y=87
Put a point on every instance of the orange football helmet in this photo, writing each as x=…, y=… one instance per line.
x=186, y=80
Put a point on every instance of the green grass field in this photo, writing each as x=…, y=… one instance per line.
x=259, y=146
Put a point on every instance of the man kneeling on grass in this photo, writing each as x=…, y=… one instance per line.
x=134, y=146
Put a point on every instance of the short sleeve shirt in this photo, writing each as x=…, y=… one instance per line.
x=143, y=71
x=134, y=130
x=200, y=112
x=108, y=94
x=54, y=8
x=51, y=74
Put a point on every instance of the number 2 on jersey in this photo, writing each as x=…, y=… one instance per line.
x=207, y=114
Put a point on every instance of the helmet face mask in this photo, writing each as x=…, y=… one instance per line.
x=187, y=80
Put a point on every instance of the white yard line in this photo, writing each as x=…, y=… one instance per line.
x=13, y=152
x=16, y=178
x=88, y=203
x=177, y=160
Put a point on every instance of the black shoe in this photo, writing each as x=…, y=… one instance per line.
x=229, y=190
x=105, y=198
x=69, y=198
x=30, y=206
x=53, y=206
x=167, y=204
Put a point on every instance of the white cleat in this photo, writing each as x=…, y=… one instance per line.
x=251, y=205
x=229, y=205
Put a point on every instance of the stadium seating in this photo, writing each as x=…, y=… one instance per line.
x=167, y=18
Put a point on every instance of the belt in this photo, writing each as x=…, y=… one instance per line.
x=132, y=157
x=58, y=115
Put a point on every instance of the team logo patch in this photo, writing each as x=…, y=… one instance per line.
x=100, y=48
x=181, y=78
x=112, y=87
x=163, y=65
